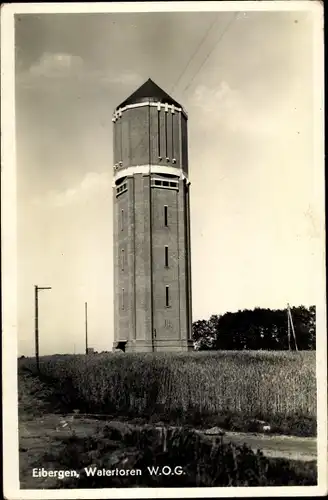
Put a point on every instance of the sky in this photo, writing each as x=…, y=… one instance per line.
x=256, y=220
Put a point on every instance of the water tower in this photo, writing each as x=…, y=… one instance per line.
x=151, y=189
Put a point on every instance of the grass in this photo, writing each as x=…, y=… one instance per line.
x=201, y=463
x=229, y=389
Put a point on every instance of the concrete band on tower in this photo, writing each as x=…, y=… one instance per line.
x=152, y=268
x=146, y=169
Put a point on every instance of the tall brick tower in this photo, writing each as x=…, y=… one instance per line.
x=152, y=272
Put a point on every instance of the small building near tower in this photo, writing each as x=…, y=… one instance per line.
x=151, y=193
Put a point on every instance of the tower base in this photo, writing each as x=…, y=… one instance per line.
x=156, y=346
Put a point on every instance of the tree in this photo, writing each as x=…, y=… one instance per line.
x=204, y=334
x=260, y=329
x=312, y=327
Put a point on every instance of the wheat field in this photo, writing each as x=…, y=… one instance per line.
x=252, y=383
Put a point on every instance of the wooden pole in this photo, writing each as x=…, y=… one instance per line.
x=86, y=327
x=36, y=327
x=288, y=327
x=293, y=329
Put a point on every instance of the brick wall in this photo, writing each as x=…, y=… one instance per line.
x=166, y=319
x=142, y=135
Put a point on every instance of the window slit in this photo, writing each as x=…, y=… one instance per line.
x=167, y=296
x=159, y=133
x=166, y=256
x=166, y=152
x=165, y=215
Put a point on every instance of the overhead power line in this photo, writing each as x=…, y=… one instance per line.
x=212, y=50
x=195, y=52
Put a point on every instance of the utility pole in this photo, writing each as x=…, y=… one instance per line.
x=292, y=326
x=36, y=302
x=86, y=327
x=288, y=327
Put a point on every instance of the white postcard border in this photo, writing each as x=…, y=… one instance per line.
x=9, y=250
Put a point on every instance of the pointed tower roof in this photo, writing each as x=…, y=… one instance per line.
x=149, y=91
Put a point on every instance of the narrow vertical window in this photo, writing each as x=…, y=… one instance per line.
x=122, y=219
x=122, y=260
x=166, y=256
x=167, y=296
x=122, y=298
x=165, y=215
x=121, y=144
x=159, y=133
x=166, y=152
x=172, y=127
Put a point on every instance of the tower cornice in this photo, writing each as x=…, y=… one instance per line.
x=159, y=105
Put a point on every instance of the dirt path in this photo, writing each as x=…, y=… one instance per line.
x=290, y=447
